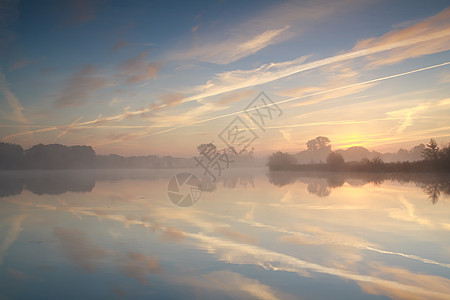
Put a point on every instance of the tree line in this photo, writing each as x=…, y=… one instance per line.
x=433, y=159
x=57, y=156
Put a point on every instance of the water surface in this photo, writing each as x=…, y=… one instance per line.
x=252, y=235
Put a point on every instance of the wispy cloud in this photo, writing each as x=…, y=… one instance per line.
x=437, y=27
x=188, y=119
x=274, y=25
x=8, y=13
x=80, y=86
x=81, y=11
x=237, y=96
x=408, y=115
x=238, y=79
x=313, y=94
x=12, y=102
x=230, y=51
x=137, y=69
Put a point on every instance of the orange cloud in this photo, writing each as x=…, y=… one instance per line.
x=437, y=26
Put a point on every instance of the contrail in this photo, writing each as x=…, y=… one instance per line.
x=138, y=112
x=307, y=95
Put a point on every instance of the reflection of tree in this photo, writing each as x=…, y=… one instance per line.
x=280, y=178
x=335, y=181
x=319, y=189
x=434, y=190
x=434, y=186
x=231, y=180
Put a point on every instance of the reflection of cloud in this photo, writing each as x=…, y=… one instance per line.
x=11, y=236
x=321, y=237
x=13, y=102
x=119, y=292
x=138, y=266
x=408, y=213
x=78, y=248
x=236, y=236
x=438, y=287
x=236, y=285
x=248, y=254
x=173, y=234
x=18, y=275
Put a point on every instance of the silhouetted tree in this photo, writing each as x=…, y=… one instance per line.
x=319, y=143
x=206, y=148
x=280, y=161
x=11, y=156
x=56, y=156
x=335, y=160
x=431, y=152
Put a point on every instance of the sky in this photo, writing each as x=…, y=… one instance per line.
x=161, y=77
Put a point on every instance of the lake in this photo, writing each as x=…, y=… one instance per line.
x=111, y=234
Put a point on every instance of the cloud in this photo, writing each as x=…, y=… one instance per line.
x=237, y=96
x=8, y=13
x=13, y=103
x=81, y=11
x=119, y=45
x=80, y=86
x=238, y=79
x=137, y=69
x=303, y=96
x=408, y=115
x=437, y=27
x=230, y=51
x=81, y=251
x=274, y=25
x=19, y=64
x=171, y=99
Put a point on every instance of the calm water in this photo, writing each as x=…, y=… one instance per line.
x=253, y=235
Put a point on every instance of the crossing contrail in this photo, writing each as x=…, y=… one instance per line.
x=306, y=96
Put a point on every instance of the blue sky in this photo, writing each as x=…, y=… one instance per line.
x=161, y=77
